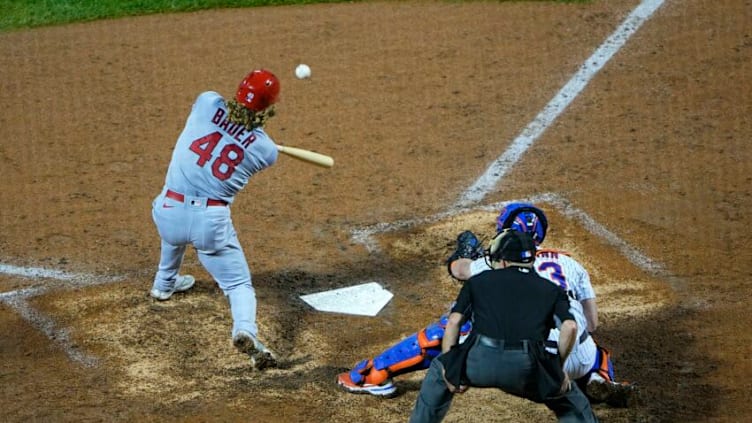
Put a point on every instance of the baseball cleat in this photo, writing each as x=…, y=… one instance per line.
x=182, y=283
x=261, y=357
x=243, y=341
x=386, y=389
x=615, y=394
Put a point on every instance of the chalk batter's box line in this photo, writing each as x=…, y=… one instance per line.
x=365, y=236
x=18, y=300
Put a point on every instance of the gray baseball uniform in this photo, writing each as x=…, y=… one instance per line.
x=212, y=161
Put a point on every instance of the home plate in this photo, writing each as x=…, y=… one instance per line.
x=365, y=300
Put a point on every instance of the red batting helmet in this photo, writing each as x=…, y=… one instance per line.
x=258, y=90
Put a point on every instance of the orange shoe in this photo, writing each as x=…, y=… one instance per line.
x=386, y=389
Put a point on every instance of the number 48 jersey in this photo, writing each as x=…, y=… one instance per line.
x=215, y=158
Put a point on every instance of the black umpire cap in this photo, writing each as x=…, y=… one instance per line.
x=511, y=245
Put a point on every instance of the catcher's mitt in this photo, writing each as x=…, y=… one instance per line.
x=468, y=246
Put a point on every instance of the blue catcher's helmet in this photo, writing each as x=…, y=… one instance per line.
x=523, y=217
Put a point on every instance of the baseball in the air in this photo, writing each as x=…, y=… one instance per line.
x=303, y=71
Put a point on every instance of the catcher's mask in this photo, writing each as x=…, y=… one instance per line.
x=512, y=245
x=258, y=90
x=523, y=217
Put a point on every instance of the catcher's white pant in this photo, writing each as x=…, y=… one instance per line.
x=209, y=229
x=582, y=358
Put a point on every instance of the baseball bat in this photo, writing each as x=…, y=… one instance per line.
x=307, y=156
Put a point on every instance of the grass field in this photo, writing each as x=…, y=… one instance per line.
x=20, y=14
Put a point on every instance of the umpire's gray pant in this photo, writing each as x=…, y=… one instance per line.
x=509, y=370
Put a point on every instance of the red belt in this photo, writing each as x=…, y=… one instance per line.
x=180, y=197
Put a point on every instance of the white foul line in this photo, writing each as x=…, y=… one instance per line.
x=496, y=171
x=498, y=168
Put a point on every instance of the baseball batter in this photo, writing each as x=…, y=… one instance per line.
x=221, y=146
x=588, y=363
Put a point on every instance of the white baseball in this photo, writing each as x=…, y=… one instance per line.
x=303, y=71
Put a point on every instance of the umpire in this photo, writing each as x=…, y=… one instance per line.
x=513, y=310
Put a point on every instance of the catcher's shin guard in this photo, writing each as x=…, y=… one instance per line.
x=410, y=354
x=603, y=365
x=602, y=370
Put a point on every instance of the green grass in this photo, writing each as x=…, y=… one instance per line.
x=19, y=14
x=16, y=14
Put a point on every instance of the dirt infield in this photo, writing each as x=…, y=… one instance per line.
x=645, y=178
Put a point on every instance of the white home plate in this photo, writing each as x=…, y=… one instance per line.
x=364, y=300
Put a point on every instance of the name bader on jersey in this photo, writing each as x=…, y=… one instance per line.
x=235, y=130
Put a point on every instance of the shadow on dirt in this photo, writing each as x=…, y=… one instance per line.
x=662, y=356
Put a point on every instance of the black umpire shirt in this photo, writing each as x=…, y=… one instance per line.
x=513, y=304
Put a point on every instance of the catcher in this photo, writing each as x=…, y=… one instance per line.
x=589, y=364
